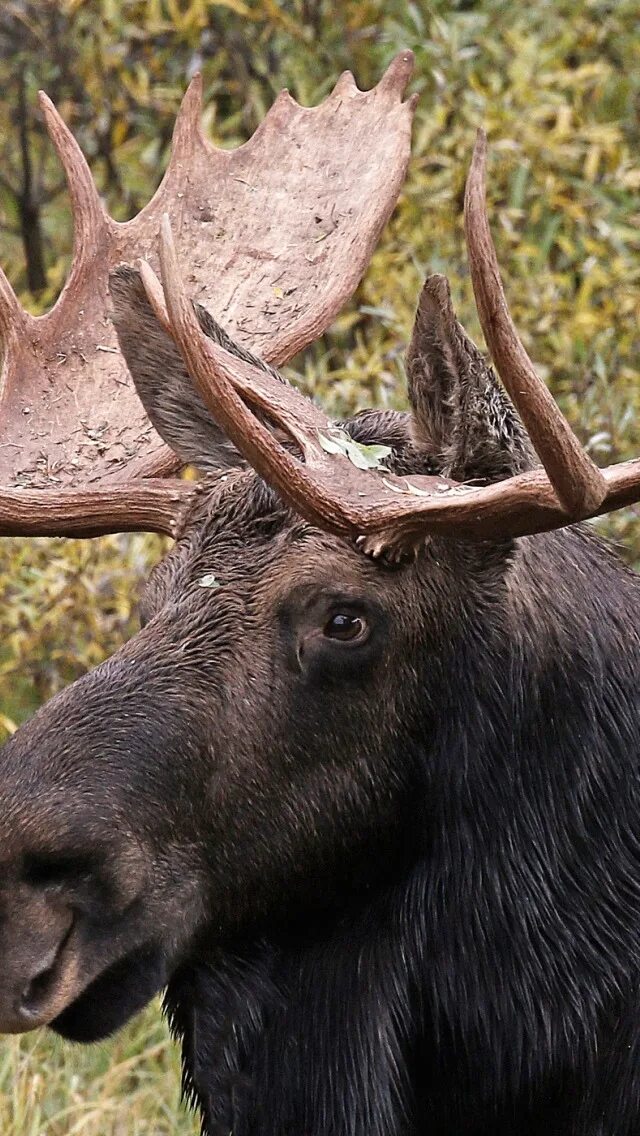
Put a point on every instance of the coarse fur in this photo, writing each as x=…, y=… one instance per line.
x=391, y=886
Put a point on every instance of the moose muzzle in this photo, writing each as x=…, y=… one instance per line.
x=39, y=975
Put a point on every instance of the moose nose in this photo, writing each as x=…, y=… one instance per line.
x=34, y=934
x=40, y=983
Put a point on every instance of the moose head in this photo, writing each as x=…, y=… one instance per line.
x=264, y=751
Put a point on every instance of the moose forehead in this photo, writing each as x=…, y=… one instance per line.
x=241, y=538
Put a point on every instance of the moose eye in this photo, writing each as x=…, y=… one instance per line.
x=346, y=628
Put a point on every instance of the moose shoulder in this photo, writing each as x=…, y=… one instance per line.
x=366, y=809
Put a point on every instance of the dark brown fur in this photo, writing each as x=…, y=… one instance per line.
x=391, y=886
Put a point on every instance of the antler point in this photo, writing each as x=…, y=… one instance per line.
x=193, y=93
x=187, y=125
x=87, y=208
x=475, y=188
x=398, y=73
x=481, y=141
x=51, y=114
x=345, y=84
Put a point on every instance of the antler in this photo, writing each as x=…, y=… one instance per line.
x=48, y=360
x=578, y=483
x=392, y=515
x=275, y=236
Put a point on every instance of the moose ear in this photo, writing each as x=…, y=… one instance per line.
x=461, y=415
x=161, y=379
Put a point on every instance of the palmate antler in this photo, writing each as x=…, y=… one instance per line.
x=391, y=515
x=274, y=236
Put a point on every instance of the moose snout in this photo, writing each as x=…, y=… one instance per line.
x=37, y=971
x=95, y=899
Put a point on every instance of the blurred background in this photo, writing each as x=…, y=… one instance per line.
x=557, y=85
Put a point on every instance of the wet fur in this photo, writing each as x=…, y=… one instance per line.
x=396, y=891
x=489, y=986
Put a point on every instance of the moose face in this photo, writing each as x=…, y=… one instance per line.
x=246, y=757
x=245, y=751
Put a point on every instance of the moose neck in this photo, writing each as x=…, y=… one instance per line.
x=531, y=894
x=492, y=939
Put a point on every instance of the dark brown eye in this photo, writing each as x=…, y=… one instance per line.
x=346, y=628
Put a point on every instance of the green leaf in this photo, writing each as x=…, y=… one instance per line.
x=364, y=457
x=374, y=453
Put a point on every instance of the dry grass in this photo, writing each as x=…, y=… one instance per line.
x=129, y=1086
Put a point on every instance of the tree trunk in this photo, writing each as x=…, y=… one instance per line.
x=28, y=204
x=31, y=232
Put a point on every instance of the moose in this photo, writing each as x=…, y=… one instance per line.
x=361, y=795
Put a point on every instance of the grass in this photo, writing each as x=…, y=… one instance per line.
x=128, y=1086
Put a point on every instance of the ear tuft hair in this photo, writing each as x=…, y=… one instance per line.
x=162, y=380
x=462, y=417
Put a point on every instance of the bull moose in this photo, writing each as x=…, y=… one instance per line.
x=362, y=793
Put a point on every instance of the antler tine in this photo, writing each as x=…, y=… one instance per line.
x=345, y=85
x=187, y=128
x=89, y=214
x=155, y=294
x=578, y=483
x=394, y=81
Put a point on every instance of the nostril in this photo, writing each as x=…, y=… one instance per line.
x=37, y=985
x=44, y=977
x=42, y=871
